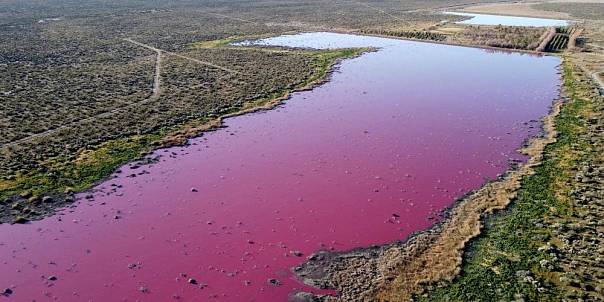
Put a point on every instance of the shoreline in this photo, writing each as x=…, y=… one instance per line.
x=545, y=245
x=468, y=11
x=530, y=229
x=398, y=270
x=484, y=47
x=387, y=258
x=268, y=103
x=33, y=207
x=402, y=269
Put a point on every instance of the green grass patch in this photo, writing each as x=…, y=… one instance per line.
x=326, y=58
x=59, y=174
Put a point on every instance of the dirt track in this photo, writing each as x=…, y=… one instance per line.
x=154, y=95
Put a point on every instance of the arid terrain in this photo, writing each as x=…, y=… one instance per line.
x=88, y=86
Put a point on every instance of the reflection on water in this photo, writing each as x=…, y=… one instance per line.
x=485, y=19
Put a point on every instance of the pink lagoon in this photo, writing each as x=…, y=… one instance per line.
x=373, y=155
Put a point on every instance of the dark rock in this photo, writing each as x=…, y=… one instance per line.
x=52, y=278
x=303, y=297
x=296, y=253
x=192, y=281
x=20, y=220
x=7, y=292
x=274, y=282
x=523, y=273
x=589, y=287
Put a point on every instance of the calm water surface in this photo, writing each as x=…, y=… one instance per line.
x=404, y=130
x=485, y=19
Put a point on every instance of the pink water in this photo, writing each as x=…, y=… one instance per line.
x=405, y=130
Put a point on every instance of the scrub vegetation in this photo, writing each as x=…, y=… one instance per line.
x=420, y=35
x=514, y=37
